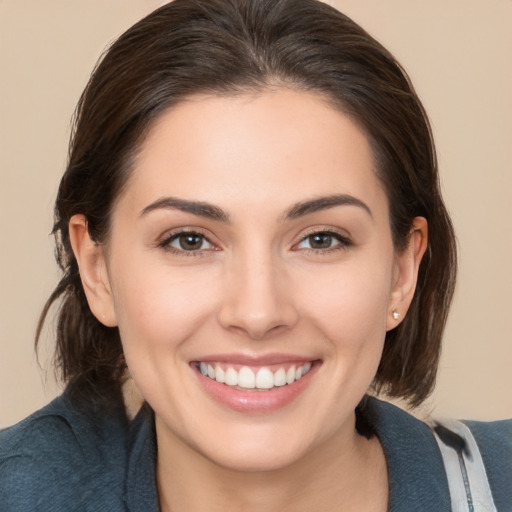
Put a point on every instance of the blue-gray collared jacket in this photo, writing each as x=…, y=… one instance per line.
x=63, y=459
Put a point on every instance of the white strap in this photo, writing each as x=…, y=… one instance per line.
x=467, y=479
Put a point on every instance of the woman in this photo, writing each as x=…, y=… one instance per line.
x=251, y=231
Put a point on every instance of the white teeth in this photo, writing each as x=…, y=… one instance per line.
x=231, y=377
x=264, y=379
x=219, y=374
x=245, y=378
x=280, y=377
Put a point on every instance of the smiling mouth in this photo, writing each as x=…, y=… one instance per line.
x=245, y=378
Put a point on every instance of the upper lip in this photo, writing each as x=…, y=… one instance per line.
x=254, y=360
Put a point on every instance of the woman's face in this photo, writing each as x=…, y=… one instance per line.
x=252, y=244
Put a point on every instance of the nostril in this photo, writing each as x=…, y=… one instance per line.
x=255, y=332
x=257, y=304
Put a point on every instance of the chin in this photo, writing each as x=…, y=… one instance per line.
x=263, y=446
x=254, y=458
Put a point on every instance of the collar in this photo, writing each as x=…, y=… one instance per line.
x=141, y=489
x=417, y=478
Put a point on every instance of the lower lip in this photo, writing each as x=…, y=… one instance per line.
x=255, y=401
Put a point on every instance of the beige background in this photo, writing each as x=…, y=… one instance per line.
x=459, y=54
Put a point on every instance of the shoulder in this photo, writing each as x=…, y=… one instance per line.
x=491, y=435
x=58, y=459
x=494, y=440
x=416, y=468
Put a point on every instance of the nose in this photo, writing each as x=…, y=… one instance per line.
x=258, y=300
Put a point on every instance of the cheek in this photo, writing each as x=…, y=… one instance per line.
x=158, y=308
x=350, y=310
x=352, y=304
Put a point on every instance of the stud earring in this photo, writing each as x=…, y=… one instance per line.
x=396, y=315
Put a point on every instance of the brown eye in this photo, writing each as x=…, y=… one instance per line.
x=320, y=241
x=323, y=241
x=188, y=241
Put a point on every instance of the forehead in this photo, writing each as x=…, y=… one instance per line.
x=269, y=148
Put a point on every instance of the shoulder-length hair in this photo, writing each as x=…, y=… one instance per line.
x=227, y=47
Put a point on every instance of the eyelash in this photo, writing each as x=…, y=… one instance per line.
x=166, y=243
x=343, y=242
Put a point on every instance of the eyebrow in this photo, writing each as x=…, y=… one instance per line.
x=324, y=203
x=213, y=212
x=199, y=208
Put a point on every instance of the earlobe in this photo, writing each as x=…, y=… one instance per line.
x=93, y=271
x=405, y=277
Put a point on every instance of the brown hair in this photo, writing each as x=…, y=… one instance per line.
x=228, y=47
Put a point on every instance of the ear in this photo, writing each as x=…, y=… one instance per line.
x=407, y=264
x=93, y=271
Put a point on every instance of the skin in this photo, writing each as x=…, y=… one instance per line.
x=257, y=285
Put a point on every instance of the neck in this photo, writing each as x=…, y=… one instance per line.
x=348, y=474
